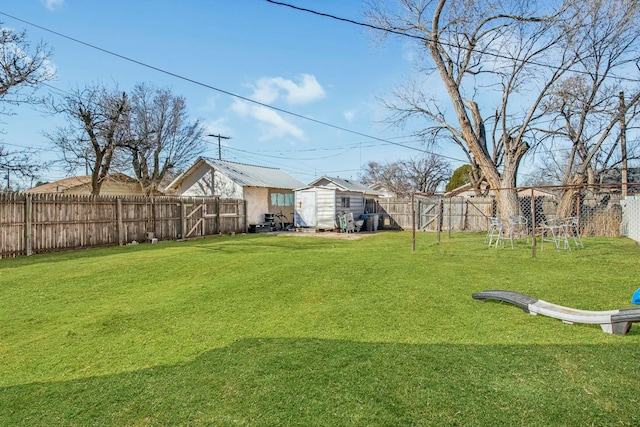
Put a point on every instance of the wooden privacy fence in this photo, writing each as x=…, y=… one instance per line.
x=455, y=213
x=37, y=223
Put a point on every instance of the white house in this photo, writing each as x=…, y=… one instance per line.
x=383, y=191
x=317, y=204
x=266, y=190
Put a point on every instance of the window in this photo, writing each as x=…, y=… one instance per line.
x=281, y=199
x=345, y=202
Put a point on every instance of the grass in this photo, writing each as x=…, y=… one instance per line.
x=278, y=330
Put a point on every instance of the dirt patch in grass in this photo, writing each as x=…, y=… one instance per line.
x=327, y=234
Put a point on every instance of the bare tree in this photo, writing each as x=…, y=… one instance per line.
x=507, y=54
x=21, y=67
x=404, y=177
x=586, y=107
x=427, y=173
x=18, y=164
x=161, y=136
x=96, y=131
x=22, y=70
x=390, y=175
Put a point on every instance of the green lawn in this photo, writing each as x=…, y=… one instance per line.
x=289, y=330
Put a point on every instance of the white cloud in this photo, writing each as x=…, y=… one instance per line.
x=269, y=89
x=349, y=115
x=53, y=4
x=278, y=126
x=241, y=108
x=272, y=124
x=210, y=105
x=266, y=90
x=217, y=127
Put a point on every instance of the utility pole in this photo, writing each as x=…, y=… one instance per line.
x=219, y=138
x=623, y=144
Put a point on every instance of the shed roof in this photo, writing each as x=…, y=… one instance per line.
x=245, y=175
x=343, y=184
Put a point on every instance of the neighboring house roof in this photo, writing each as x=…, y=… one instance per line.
x=464, y=190
x=382, y=189
x=80, y=183
x=243, y=174
x=344, y=185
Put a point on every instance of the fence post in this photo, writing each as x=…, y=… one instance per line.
x=183, y=219
x=28, y=223
x=465, y=214
x=450, y=215
x=119, y=222
x=413, y=224
x=533, y=224
x=439, y=220
x=244, y=219
x=217, y=202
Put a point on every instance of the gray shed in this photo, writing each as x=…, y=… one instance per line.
x=317, y=204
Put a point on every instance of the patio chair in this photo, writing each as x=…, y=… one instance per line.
x=494, y=232
x=519, y=227
x=572, y=230
x=555, y=231
x=341, y=220
x=516, y=229
x=351, y=224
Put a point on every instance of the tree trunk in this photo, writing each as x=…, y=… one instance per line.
x=566, y=206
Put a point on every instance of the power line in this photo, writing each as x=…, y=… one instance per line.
x=219, y=145
x=429, y=40
x=190, y=80
x=181, y=77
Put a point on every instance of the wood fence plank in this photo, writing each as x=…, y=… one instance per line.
x=37, y=223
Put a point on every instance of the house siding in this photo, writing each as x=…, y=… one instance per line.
x=199, y=183
x=356, y=203
x=257, y=204
x=326, y=208
x=206, y=182
x=287, y=211
x=225, y=188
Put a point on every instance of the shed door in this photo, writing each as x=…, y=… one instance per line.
x=306, y=209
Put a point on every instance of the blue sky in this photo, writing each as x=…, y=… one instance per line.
x=309, y=65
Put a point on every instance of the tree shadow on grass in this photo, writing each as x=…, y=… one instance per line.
x=324, y=382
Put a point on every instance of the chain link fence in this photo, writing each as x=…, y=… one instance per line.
x=599, y=210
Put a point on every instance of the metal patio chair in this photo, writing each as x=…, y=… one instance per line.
x=519, y=227
x=555, y=231
x=572, y=230
x=494, y=233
